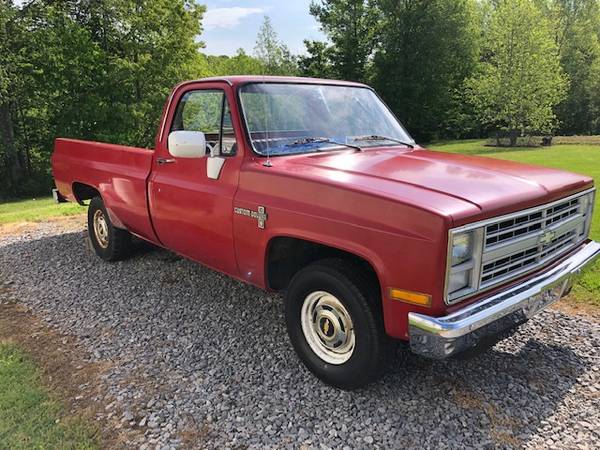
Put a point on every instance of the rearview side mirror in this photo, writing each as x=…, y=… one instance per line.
x=187, y=144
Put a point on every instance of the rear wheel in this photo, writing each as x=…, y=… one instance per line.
x=110, y=243
x=335, y=325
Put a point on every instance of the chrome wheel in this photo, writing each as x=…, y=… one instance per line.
x=327, y=327
x=101, y=229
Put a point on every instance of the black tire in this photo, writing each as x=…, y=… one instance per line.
x=111, y=244
x=361, y=299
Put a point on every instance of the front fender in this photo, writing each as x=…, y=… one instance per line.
x=404, y=261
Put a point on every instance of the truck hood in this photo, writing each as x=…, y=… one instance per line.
x=482, y=186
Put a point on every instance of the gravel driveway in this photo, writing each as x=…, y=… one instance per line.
x=200, y=356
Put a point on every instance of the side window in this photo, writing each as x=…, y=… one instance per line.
x=207, y=111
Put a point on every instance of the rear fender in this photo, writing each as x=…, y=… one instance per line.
x=82, y=191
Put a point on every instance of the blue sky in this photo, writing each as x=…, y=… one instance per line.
x=231, y=24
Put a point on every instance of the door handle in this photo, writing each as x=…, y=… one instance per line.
x=162, y=161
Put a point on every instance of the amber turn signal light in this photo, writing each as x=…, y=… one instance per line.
x=414, y=298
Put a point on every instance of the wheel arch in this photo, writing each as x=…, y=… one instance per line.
x=286, y=255
x=83, y=191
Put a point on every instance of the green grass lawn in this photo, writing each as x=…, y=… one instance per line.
x=584, y=159
x=36, y=210
x=29, y=417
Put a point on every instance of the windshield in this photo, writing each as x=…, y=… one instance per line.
x=298, y=118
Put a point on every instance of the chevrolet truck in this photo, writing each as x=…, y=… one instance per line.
x=313, y=188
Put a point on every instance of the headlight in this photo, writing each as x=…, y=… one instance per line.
x=459, y=280
x=464, y=259
x=461, y=248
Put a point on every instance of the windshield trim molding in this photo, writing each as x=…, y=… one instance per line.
x=246, y=130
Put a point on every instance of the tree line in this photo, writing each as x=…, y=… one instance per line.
x=101, y=69
x=468, y=68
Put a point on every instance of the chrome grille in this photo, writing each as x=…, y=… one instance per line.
x=530, y=223
x=523, y=242
x=525, y=259
x=503, y=248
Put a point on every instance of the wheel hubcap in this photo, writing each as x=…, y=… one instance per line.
x=101, y=229
x=327, y=327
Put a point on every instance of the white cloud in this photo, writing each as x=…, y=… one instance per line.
x=227, y=17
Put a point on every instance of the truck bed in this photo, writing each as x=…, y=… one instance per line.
x=119, y=173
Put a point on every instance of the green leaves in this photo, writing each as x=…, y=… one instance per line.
x=240, y=64
x=90, y=70
x=416, y=53
x=576, y=27
x=101, y=71
x=455, y=68
x=274, y=55
x=519, y=81
x=351, y=26
x=426, y=50
x=318, y=60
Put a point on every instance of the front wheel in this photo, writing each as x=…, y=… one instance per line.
x=110, y=243
x=335, y=324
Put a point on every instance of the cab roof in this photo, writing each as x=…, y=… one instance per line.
x=235, y=80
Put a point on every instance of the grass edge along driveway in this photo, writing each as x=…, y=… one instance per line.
x=36, y=210
x=29, y=415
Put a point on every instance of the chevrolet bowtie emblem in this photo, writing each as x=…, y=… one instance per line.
x=547, y=237
x=260, y=215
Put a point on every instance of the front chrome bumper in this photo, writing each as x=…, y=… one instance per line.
x=441, y=337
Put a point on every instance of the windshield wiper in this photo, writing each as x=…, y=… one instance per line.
x=322, y=140
x=377, y=137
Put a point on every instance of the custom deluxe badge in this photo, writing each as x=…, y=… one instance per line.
x=260, y=215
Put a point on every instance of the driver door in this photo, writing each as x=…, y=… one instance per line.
x=191, y=212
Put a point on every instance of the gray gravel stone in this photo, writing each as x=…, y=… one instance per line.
x=195, y=351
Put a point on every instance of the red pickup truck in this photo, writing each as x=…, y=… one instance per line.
x=313, y=188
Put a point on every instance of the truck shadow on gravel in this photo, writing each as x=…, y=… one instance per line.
x=199, y=355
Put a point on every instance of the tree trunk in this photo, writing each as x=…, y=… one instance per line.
x=7, y=135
